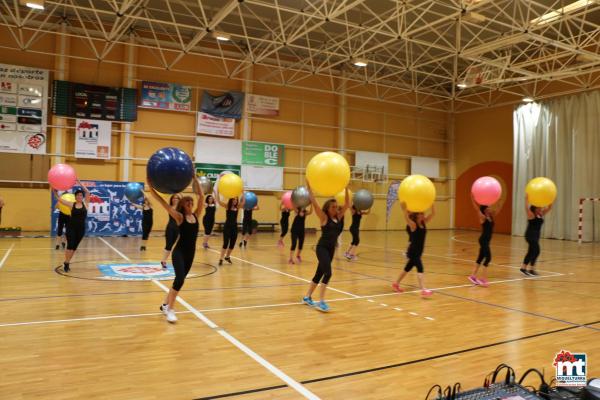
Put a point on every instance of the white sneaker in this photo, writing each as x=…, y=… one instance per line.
x=164, y=308
x=171, y=317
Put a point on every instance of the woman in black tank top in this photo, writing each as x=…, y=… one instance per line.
x=208, y=222
x=486, y=216
x=76, y=226
x=417, y=230
x=171, y=231
x=284, y=223
x=330, y=220
x=535, y=220
x=147, y=220
x=183, y=254
x=230, y=228
x=355, y=232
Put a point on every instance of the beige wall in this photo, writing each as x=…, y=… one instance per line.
x=309, y=122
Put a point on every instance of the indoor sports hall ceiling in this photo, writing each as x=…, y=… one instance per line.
x=443, y=54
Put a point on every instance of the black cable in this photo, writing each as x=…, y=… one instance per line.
x=510, y=373
x=439, y=392
x=455, y=390
x=448, y=393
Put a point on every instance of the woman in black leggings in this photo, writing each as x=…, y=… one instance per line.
x=298, y=233
x=284, y=223
x=183, y=254
x=417, y=230
x=330, y=217
x=355, y=232
x=76, y=227
x=486, y=216
x=535, y=220
x=147, y=220
x=61, y=229
x=171, y=231
x=230, y=229
x=208, y=221
x=247, y=226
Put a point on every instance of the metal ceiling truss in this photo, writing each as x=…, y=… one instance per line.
x=419, y=52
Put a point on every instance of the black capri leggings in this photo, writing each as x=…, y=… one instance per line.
x=414, y=261
x=485, y=253
x=229, y=236
x=246, y=227
x=208, y=224
x=63, y=223
x=146, y=229
x=171, y=234
x=285, y=224
x=355, y=237
x=297, y=238
x=323, y=273
x=74, y=237
x=182, y=263
x=532, y=252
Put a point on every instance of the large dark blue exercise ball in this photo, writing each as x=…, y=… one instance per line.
x=134, y=192
x=170, y=170
x=251, y=200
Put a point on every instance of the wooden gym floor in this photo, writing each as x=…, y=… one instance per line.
x=243, y=334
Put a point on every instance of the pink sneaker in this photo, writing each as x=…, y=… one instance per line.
x=473, y=280
x=426, y=293
x=299, y=259
x=290, y=261
x=483, y=282
x=397, y=288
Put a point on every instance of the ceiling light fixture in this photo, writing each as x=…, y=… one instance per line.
x=560, y=12
x=360, y=62
x=222, y=36
x=461, y=85
x=528, y=100
x=472, y=16
x=35, y=4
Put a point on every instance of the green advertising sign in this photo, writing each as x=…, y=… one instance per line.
x=266, y=154
x=213, y=170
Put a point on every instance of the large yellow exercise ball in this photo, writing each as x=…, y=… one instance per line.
x=541, y=192
x=418, y=192
x=341, y=197
x=328, y=173
x=63, y=208
x=230, y=186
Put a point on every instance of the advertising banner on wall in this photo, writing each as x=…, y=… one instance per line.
x=259, y=153
x=23, y=109
x=262, y=178
x=212, y=171
x=227, y=105
x=109, y=212
x=207, y=124
x=92, y=138
x=263, y=105
x=166, y=96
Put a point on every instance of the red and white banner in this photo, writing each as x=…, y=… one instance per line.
x=207, y=124
x=92, y=138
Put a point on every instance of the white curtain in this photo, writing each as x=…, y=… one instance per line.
x=559, y=139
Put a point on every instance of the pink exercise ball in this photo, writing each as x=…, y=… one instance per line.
x=486, y=190
x=286, y=199
x=62, y=177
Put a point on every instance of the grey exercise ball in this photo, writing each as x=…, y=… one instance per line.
x=300, y=197
x=205, y=184
x=363, y=200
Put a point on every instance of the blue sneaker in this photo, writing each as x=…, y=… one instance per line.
x=322, y=306
x=308, y=301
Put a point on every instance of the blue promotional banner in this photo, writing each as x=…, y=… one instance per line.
x=109, y=212
x=166, y=96
x=227, y=105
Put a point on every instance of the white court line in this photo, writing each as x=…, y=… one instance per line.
x=429, y=318
x=6, y=255
x=286, y=274
x=413, y=313
x=383, y=304
x=397, y=309
x=102, y=317
x=270, y=367
x=115, y=249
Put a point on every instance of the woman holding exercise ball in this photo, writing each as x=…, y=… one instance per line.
x=76, y=226
x=171, y=230
x=184, y=252
x=330, y=218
